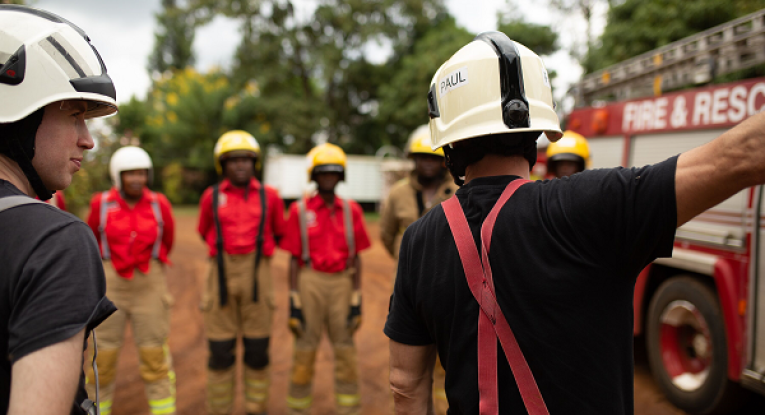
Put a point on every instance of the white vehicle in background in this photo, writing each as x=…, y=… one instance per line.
x=364, y=181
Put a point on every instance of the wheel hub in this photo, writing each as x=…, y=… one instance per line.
x=686, y=345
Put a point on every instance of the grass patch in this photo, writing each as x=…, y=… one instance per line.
x=186, y=210
x=371, y=216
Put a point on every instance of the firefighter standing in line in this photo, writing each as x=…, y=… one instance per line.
x=567, y=156
x=241, y=221
x=324, y=234
x=428, y=185
x=134, y=227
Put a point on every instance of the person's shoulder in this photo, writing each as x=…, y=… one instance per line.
x=40, y=219
x=355, y=206
x=271, y=191
x=162, y=199
x=206, y=195
x=401, y=187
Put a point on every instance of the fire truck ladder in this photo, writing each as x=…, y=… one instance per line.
x=697, y=59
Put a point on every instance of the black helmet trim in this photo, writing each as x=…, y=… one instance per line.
x=12, y=71
x=433, y=111
x=566, y=157
x=515, y=106
x=100, y=84
x=65, y=54
x=44, y=14
x=329, y=168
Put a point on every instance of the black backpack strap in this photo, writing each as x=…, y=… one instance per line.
x=259, y=241
x=222, y=288
x=420, y=204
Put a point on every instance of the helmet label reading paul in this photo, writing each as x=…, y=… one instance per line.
x=454, y=80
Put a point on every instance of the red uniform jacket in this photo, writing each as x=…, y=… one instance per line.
x=326, y=234
x=239, y=214
x=131, y=232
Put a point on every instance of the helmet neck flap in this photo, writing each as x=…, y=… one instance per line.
x=17, y=141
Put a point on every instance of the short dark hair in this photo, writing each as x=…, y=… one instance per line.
x=467, y=152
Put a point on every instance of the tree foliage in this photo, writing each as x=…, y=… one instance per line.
x=403, y=104
x=317, y=79
x=541, y=39
x=174, y=40
x=638, y=26
x=351, y=72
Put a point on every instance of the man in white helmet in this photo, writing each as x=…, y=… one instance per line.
x=51, y=80
x=548, y=268
x=134, y=227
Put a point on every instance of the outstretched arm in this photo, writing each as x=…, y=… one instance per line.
x=45, y=381
x=711, y=173
x=411, y=377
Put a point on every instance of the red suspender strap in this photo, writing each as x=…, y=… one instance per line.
x=491, y=322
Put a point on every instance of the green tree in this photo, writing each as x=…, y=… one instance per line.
x=403, y=104
x=638, y=26
x=539, y=38
x=314, y=71
x=174, y=39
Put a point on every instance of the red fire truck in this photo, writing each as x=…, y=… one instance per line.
x=703, y=310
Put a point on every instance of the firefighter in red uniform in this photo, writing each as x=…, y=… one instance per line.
x=134, y=228
x=241, y=221
x=324, y=234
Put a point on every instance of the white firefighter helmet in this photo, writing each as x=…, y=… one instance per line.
x=492, y=85
x=129, y=158
x=44, y=59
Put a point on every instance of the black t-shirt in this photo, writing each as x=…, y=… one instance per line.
x=565, y=255
x=52, y=283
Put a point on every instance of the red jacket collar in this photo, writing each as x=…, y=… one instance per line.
x=316, y=202
x=227, y=186
x=116, y=195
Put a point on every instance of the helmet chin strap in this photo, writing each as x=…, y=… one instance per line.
x=20, y=157
x=19, y=145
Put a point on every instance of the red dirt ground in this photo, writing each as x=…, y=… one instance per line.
x=187, y=342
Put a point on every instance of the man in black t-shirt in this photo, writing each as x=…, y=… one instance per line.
x=564, y=254
x=52, y=285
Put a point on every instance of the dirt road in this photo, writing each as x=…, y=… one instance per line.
x=188, y=348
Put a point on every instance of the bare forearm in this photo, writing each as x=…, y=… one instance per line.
x=45, y=381
x=411, y=378
x=414, y=401
x=709, y=174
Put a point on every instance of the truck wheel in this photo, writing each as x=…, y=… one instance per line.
x=687, y=351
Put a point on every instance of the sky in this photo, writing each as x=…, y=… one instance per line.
x=123, y=33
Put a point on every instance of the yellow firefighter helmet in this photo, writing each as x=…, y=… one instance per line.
x=235, y=140
x=326, y=158
x=419, y=143
x=571, y=147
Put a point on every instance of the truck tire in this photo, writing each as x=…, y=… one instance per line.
x=687, y=350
